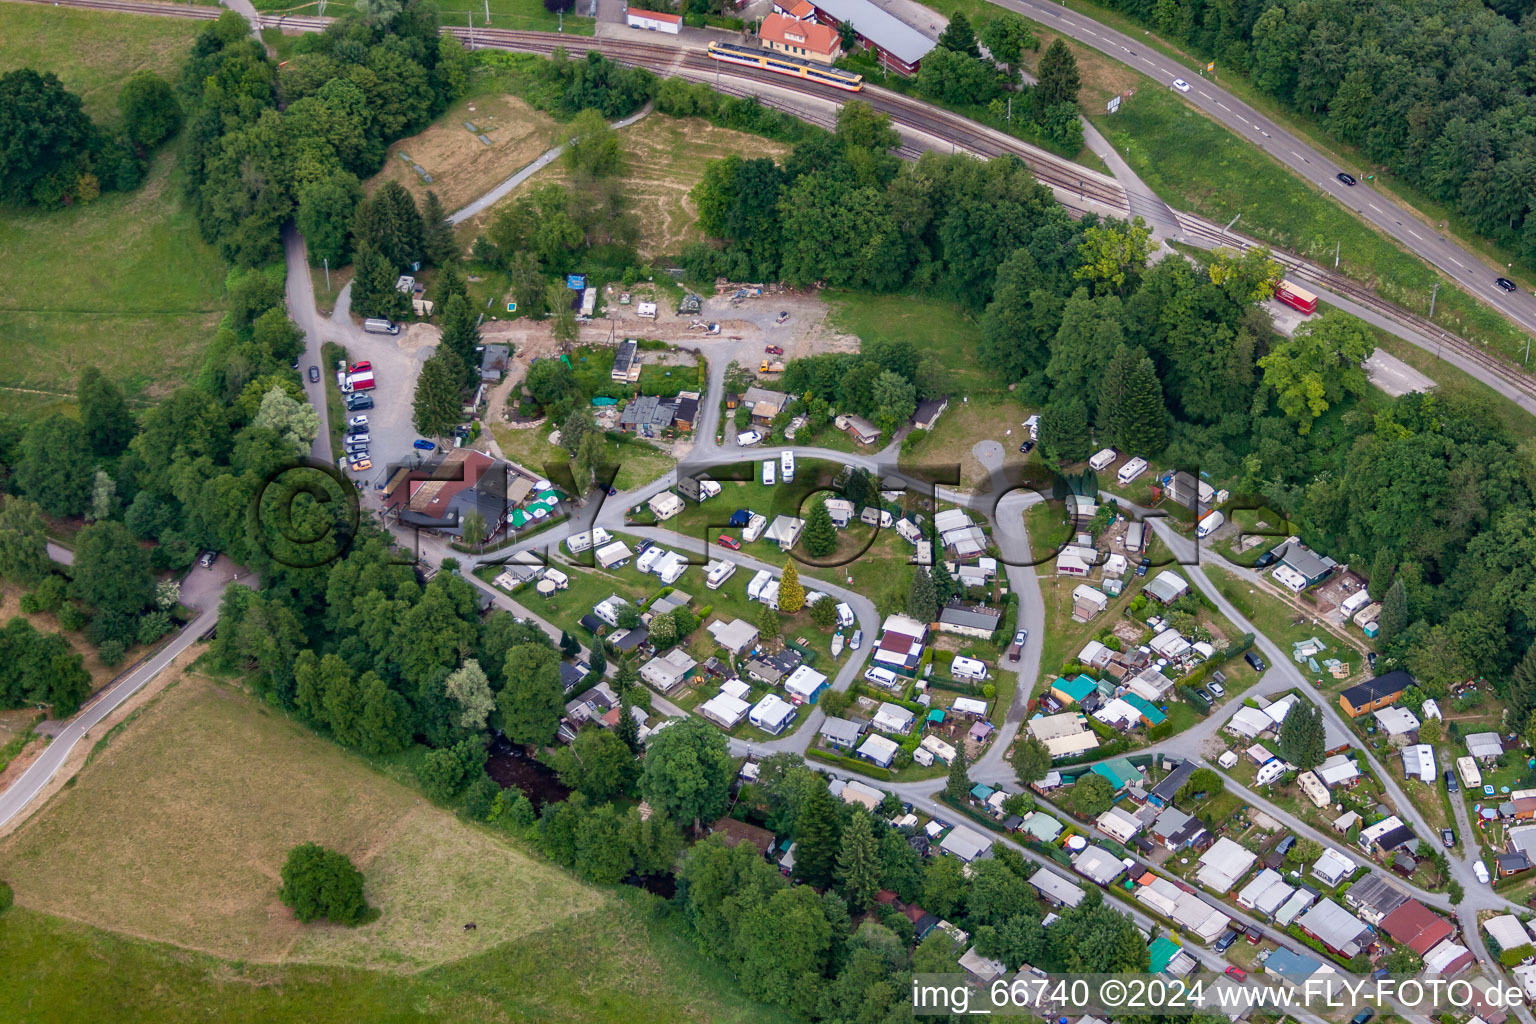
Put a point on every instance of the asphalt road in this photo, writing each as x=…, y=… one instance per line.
x=1467, y=269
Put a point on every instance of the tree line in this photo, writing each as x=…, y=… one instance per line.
x=1438, y=91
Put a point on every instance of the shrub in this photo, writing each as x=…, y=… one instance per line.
x=71, y=618
x=6, y=897
x=318, y=882
x=112, y=653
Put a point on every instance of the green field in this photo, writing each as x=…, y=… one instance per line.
x=1198, y=165
x=146, y=891
x=528, y=15
x=124, y=283
x=938, y=329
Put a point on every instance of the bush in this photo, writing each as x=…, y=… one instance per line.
x=7, y=898
x=71, y=617
x=112, y=653
x=318, y=882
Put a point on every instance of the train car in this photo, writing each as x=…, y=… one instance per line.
x=732, y=53
x=1296, y=297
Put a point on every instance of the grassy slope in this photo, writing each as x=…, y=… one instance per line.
x=176, y=833
x=124, y=283
x=528, y=15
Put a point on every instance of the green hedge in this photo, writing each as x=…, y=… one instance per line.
x=852, y=764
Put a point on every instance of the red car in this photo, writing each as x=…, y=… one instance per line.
x=1237, y=974
x=360, y=367
x=727, y=541
x=774, y=350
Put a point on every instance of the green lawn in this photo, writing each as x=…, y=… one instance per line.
x=638, y=462
x=938, y=329
x=1283, y=623
x=1198, y=165
x=621, y=964
x=126, y=282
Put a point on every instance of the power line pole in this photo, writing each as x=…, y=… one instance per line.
x=1432, y=302
x=1336, y=246
x=327, y=261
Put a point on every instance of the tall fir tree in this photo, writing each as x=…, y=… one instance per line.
x=437, y=242
x=768, y=623
x=816, y=837
x=1114, y=386
x=859, y=864
x=945, y=588
x=820, y=536
x=1144, y=429
x=1381, y=574
x=1520, y=696
x=1301, y=739
x=1058, y=80
x=958, y=787
x=461, y=335
x=959, y=36
x=1064, y=431
x=439, y=396
x=791, y=593
x=922, y=602
x=405, y=221
x=373, y=286
x=628, y=729
x=1394, y=612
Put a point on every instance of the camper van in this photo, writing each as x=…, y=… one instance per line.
x=1210, y=524
x=883, y=678
x=579, y=542
x=1102, y=461
x=770, y=472
x=375, y=325
x=1131, y=470
x=647, y=561
x=754, y=528
x=718, y=573
x=787, y=466
x=844, y=615
x=757, y=583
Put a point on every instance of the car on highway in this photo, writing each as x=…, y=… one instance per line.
x=1506, y=284
x=363, y=466
x=1237, y=973
x=314, y=375
x=1181, y=85
x=727, y=541
x=358, y=421
x=1348, y=179
x=1026, y=447
x=1447, y=838
x=1216, y=688
x=207, y=558
x=857, y=640
x=1254, y=661
x=356, y=402
x=424, y=445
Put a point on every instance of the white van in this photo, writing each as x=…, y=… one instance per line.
x=1102, y=461
x=770, y=472
x=787, y=466
x=882, y=677
x=376, y=325
x=748, y=438
x=1131, y=470
x=1210, y=524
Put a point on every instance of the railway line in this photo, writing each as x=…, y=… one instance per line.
x=1090, y=189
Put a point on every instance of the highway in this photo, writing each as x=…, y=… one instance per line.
x=1469, y=270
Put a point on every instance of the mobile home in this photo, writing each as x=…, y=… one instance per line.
x=770, y=472
x=787, y=466
x=718, y=573
x=1102, y=461
x=1131, y=470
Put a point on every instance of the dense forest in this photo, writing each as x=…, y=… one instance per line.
x=1439, y=91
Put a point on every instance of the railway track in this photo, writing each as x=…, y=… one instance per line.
x=1066, y=178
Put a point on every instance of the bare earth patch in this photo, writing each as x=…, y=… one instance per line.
x=178, y=829
x=462, y=167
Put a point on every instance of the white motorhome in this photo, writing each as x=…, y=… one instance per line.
x=718, y=572
x=1131, y=470
x=671, y=567
x=1102, y=461
x=844, y=615
x=754, y=528
x=1033, y=426
x=757, y=583
x=647, y=561
x=787, y=466
x=770, y=472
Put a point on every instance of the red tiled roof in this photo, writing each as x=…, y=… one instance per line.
x=809, y=35
x=1417, y=927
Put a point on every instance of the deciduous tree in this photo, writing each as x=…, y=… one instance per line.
x=688, y=772
x=1031, y=759
x=532, y=700
x=471, y=690
x=323, y=883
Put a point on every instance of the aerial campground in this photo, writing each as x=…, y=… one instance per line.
x=767, y=511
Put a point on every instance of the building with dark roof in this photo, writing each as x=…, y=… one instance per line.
x=969, y=620
x=626, y=361
x=647, y=415
x=1163, y=793
x=1309, y=563
x=1373, y=694
x=928, y=411
x=897, y=45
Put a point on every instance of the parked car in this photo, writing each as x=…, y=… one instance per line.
x=774, y=350
x=1181, y=85
x=359, y=467
x=1370, y=657
x=1254, y=661
x=361, y=365
x=357, y=457
x=641, y=547
x=1225, y=942
x=358, y=421
x=1216, y=688
x=423, y=445
x=1021, y=637
x=748, y=438
x=857, y=640
x=1284, y=846
x=782, y=318
x=207, y=558
x=1363, y=1017
x=314, y=375
x=1205, y=695
x=1026, y=447
x=1447, y=838
x=356, y=402
x=727, y=541
x=1237, y=973
x=1348, y=179
x=1505, y=283
x=1451, y=785
x=1265, y=560
x=1142, y=566
x=360, y=437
